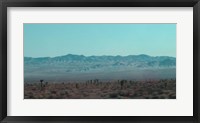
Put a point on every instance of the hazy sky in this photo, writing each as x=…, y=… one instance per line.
x=49, y=40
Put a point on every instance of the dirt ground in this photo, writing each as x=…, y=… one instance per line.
x=95, y=89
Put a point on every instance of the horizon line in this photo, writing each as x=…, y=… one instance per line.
x=96, y=55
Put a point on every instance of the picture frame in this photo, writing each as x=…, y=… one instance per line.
x=4, y=4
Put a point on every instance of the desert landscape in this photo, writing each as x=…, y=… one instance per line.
x=95, y=89
x=119, y=77
x=99, y=61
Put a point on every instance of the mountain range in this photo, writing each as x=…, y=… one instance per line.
x=86, y=67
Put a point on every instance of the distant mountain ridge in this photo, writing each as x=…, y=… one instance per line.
x=81, y=68
x=138, y=61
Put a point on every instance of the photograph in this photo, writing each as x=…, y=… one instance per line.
x=99, y=60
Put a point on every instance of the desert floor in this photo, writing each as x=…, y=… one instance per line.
x=95, y=89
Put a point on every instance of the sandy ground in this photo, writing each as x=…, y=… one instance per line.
x=95, y=89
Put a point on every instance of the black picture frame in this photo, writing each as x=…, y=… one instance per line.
x=99, y=3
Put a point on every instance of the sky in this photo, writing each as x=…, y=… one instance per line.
x=50, y=40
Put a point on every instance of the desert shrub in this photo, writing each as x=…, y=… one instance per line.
x=172, y=96
x=30, y=96
x=155, y=93
x=155, y=97
x=124, y=93
x=53, y=92
x=159, y=91
x=62, y=93
x=113, y=95
x=33, y=89
x=77, y=85
x=162, y=97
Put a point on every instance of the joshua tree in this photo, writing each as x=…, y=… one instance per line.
x=97, y=80
x=122, y=83
x=41, y=85
x=76, y=85
x=165, y=85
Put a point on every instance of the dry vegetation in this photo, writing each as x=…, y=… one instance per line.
x=95, y=89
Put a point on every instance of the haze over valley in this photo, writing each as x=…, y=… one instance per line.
x=105, y=68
